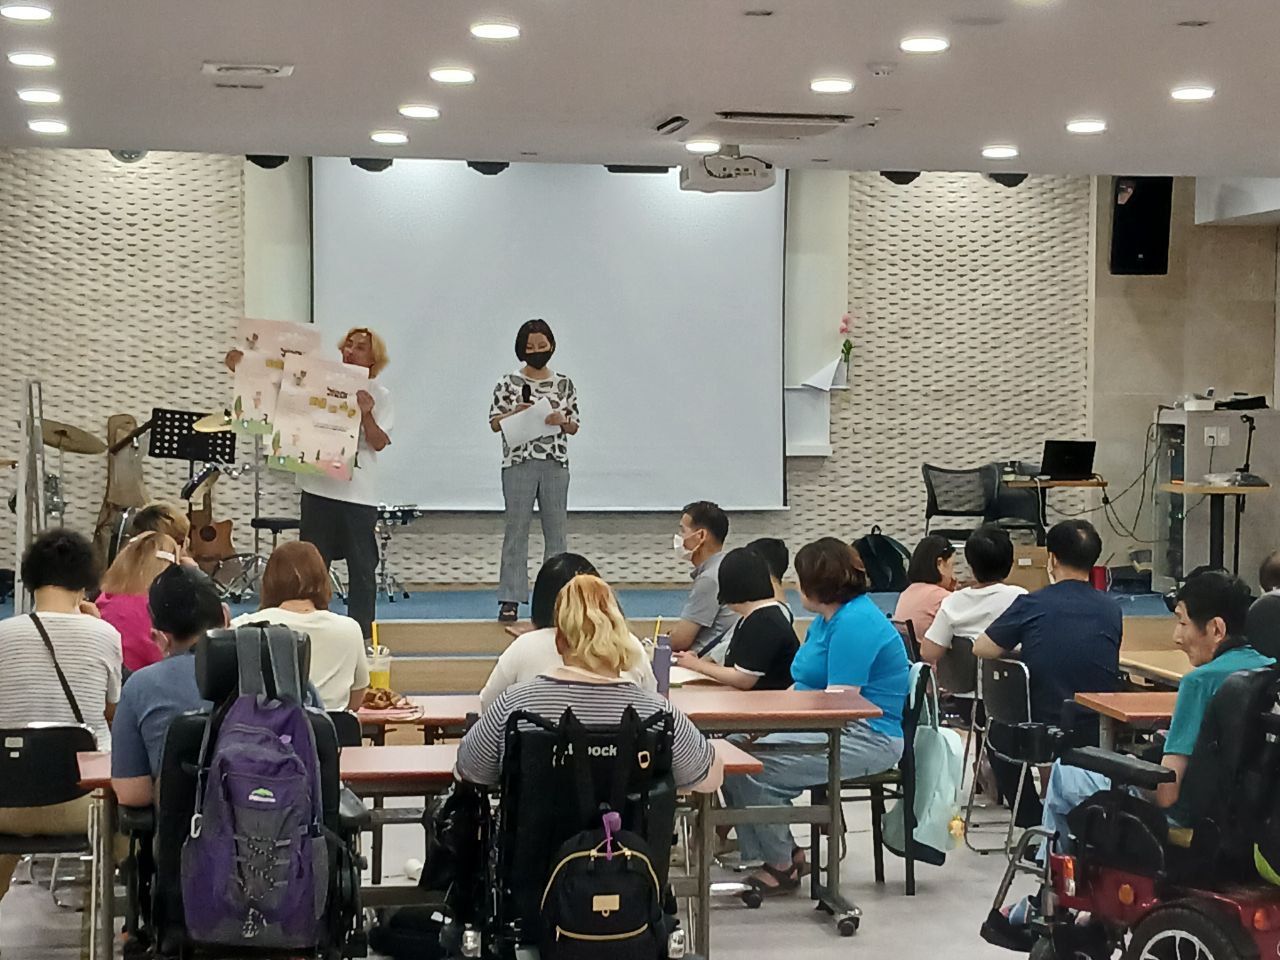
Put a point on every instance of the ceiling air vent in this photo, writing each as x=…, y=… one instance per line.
x=247, y=72
x=744, y=126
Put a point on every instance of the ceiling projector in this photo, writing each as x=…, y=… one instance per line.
x=727, y=171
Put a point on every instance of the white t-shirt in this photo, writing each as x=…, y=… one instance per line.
x=88, y=651
x=968, y=612
x=534, y=654
x=363, y=486
x=338, y=663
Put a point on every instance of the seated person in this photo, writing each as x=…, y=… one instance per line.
x=763, y=643
x=534, y=654
x=776, y=556
x=1212, y=611
x=705, y=621
x=161, y=516
x=1068, y=634
x=1269, y=573
x=296, y=592
x=970, y=610
x=183, y=605
x=594, y=642
x=123, y=601
x=850, y=645
x=931, y=576
x=58, y=568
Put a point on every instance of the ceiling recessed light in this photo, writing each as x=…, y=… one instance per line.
x=702, y=145
x=453, y=75
x=495, y=30
x=1000, y=151
x=25, y=11
x=831, y=85
x=1087, y=126
x=48, y=126
x=1192, y=92
x=40, y=96
x=391, y=138
x=419, y=111
x=31, y=60
x=924, y=44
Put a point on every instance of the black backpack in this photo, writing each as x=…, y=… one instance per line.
x=886, y=561
x=603, y=895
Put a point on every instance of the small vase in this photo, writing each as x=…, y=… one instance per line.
x=842, y=374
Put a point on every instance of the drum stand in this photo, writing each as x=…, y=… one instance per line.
x=388, y=582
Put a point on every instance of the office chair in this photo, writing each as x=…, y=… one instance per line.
x=967, y=493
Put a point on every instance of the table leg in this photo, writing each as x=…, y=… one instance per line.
x=1235, y=543
x=706, y=848
x=107, y=874
x=847, y=914
x=376, y=830
x=1106, y=732
x=1216, y=532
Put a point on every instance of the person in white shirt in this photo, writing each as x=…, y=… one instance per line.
x=296, y=594
x=534, y=654
x=340, y=516
x=1269, y=573
x=969, y=611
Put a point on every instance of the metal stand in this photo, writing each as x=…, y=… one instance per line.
x=388, y=519
x=30, y=503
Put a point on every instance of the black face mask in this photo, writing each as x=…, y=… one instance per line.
x=539, y=359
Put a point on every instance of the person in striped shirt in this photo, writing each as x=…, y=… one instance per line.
x=593, y=640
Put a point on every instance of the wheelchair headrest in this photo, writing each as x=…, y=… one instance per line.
x=1262, y=626
x=218, y=663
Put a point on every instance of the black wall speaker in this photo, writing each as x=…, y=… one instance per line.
x=1140, y=211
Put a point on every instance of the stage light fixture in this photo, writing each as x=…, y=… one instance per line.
x=900, y=177
x=267, y=161
x=372, y=164
x=1008, y=179
x=490, y=168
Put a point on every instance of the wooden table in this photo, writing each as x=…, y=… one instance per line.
x=1042, y=488
x=1130, y=709
x=397, y=771
x=1217, y=494
x=1163, y=666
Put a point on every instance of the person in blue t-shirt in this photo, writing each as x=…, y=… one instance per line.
x=184, y=603
x=1068, y=635
x=1211, y=616
x=852, y=645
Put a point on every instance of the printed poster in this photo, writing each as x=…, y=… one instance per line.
x=266, y=344
x=316, y=418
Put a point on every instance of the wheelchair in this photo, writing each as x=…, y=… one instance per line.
x=1158, y=891
x=154, y=917
x=544, y=800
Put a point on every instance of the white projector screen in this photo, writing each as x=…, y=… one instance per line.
x=666, y=306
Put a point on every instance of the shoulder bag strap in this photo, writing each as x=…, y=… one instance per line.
x=62, y=677
x=282, y=649
x=249, y=659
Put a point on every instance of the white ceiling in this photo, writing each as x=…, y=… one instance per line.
x=589, y=79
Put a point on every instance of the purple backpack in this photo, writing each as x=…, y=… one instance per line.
x=255, y=866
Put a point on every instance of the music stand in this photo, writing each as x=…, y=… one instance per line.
x=172, y=438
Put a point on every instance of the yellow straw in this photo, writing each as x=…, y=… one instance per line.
x=376, y=648
x=657, y=628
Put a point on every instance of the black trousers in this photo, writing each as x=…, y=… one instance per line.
x=345, y=531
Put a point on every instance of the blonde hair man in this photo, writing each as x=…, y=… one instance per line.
x=339, y=516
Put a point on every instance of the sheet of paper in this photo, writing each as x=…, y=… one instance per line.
x=529, y=424
x=317, y=419
x=682, y=675
x=266, y=344
x=824, y=378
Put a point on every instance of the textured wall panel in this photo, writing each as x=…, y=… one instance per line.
x=120, y=286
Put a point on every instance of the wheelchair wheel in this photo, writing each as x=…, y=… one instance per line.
x=1185, y=932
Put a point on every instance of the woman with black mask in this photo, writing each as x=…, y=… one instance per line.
x=536, y=471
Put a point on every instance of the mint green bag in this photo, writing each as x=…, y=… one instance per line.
x=939, y=766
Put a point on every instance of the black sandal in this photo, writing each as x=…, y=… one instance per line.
x=787, y=882
x=508, y=612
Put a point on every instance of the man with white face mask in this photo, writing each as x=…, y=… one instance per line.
x=704, y=623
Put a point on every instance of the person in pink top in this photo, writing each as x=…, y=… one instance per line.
x=931, y=578
x=123, y=601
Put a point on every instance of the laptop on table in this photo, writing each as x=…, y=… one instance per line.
x=1068, y=459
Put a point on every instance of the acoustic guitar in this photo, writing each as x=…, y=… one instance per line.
x=210, y=542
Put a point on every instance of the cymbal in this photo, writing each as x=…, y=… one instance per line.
x=213, y=423
x=69, y=439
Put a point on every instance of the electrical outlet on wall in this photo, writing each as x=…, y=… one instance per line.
x=1217, y=436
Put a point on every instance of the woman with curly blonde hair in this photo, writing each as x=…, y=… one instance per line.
x=594, y=642
x=123, y=601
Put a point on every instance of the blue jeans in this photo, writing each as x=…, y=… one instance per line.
x=786, y=775
x=1068, y=787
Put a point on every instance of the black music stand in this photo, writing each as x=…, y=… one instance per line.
x=173, y=438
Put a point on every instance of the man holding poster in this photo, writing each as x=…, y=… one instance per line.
x=339, y=514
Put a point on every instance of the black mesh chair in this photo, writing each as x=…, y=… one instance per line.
x=1019, y=510
x=38, y=768
x=156, y=916
x=1006, y=700
x=969, y=493
x=896, y=783
x=347, y=726
x=907, y=631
